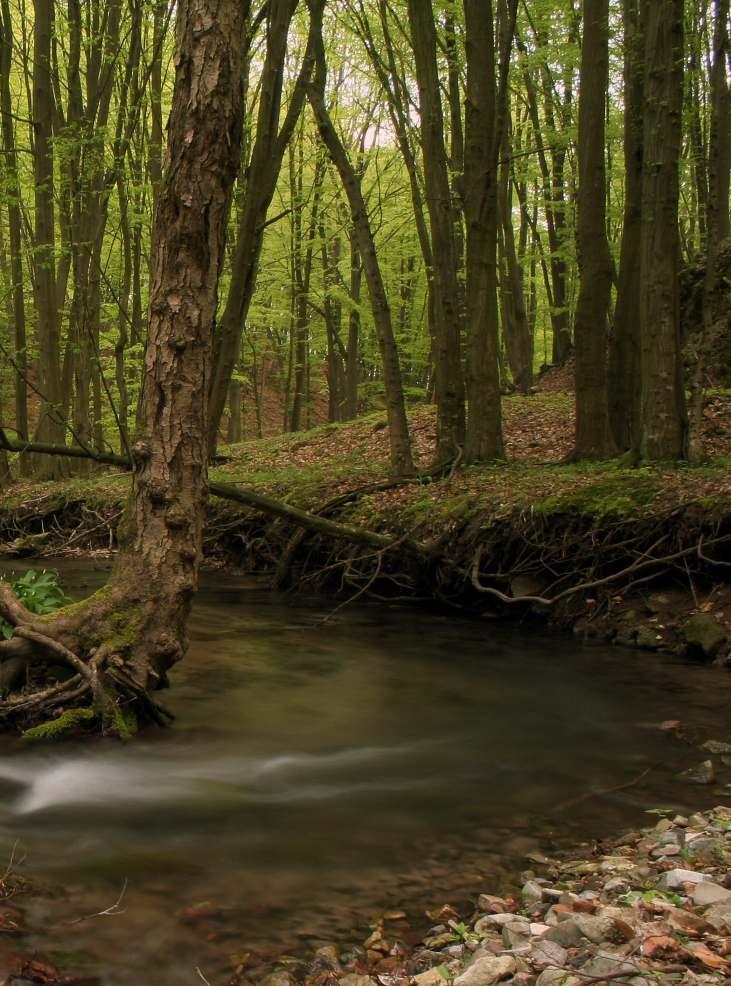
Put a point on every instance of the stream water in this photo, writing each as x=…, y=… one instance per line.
x=318, y=774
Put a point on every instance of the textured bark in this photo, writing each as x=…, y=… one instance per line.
x=554, y=207
x=400, y=442
x=592, y=438
x=449, y=383
x=51, y=420
x=662, y=405
x=624, y=343
x=717, y=226
x=484, y=124
x=12, y=189
x=135, y=628
x=517, y=330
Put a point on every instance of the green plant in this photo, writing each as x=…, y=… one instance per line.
x=649, y=894
x=40, y=592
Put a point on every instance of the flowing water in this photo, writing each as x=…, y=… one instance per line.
x=318, y=774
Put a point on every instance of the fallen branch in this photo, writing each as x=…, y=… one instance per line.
x=259, y=501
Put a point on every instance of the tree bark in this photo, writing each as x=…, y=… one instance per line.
x=592, y=438
x=662, y=406
x=624, y=343
x=12, y=187
x=50, y=425
x=128, y=634
x=484, y=124
x=447, y=344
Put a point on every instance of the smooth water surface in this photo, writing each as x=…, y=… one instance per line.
x=318, y=774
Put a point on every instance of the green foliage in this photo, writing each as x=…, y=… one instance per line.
x=40, y=592
x=650, y=894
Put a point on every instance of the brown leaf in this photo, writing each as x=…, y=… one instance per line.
x=709, y=959
x=659, y=946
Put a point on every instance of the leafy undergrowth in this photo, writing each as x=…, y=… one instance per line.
x=308, y=468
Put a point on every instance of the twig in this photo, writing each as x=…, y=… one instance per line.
x=202, y=976
x=110, y=911
x=602, y=791
x=11, y=862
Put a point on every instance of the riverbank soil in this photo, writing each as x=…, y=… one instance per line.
x=636, y=555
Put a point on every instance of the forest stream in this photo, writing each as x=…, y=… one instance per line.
x=321, y=773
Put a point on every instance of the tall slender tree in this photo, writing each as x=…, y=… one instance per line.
x=593, y=434
x=662, y=428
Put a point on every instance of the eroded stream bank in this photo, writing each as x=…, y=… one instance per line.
x=320, y=776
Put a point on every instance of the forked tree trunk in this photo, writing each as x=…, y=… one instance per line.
x=126, y=636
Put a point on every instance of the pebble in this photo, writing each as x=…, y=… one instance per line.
x=588, y=924
x=675, y=879
x=707, y=893
x=548, y=953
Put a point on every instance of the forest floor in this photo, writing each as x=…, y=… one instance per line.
x=616, y=552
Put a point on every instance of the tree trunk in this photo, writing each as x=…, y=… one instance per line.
x=50, y=426
x=447, y=346
x=484, y=123
x=400, y=441
x=124, y=638
x=592, y=439
x=624, y=344
x=715, y=320
x=12, y=188
x=662, y=405
x=266, y=160
x=517, y=331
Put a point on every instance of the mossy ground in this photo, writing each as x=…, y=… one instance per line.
x=308, y=468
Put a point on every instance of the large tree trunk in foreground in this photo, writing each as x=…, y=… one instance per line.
x=122, y=640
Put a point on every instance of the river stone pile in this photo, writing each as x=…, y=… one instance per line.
x=656, y=909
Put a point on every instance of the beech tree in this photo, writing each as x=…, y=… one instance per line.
x=593, y=438
x=122, y=640
x=662, y=428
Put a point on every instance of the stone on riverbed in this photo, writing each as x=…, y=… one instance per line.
x=557, y=977
x=548, y=953
x=702, y=773
x=606, y=963
x=707, y=893
x=719, y=915
x=487, y=969
x=675, y=879
x=704, y=635
x=432, y=977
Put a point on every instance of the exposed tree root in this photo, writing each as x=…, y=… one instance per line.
x=98, y=668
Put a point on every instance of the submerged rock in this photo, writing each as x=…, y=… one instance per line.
x=704, y=635
x=703, y=773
